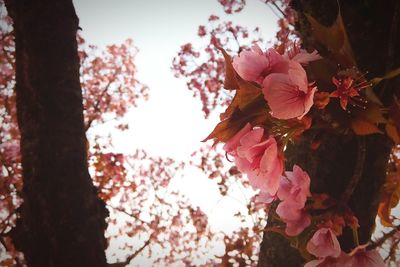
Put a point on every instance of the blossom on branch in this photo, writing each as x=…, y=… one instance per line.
x=324, y=244
x=287, y=92
x=258, y=157
x=293, y=192
x=361, y=257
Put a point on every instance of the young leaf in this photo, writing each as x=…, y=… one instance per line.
x=334, y=39
x=255, y=112
x=389, y=199
x=230, y=82
x=364, y=127
x=392, y=132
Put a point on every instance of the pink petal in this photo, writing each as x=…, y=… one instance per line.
x=252, y=137
x=323, y=244
x=301, y=179
x=289, y=211
x=283, y=97
x=251, y=64
x=284, y=188
x=298, y=76
x=265, y=197
x=315, y=263
x=360, y=257
x=308, y=101
x=234, y=142
x=294, y=228
x=304, y=57
x=340, y=261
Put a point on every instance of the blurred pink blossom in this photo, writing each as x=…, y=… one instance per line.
x=324, y=244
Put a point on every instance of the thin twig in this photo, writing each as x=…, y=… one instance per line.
x=358, y=170
x=134, y=255
x=277, y=7
x=96, y=106
x=380, y=241
x=392, y=250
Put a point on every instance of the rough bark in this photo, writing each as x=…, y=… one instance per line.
x=61, y=221
x=374, y=34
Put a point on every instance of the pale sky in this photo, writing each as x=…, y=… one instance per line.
x=158, y=29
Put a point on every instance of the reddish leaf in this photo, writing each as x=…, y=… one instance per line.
x=364, y=127
x=392, y=132
x=255, y=112
x=389, y=199
x=230, y=81
x=334, y=39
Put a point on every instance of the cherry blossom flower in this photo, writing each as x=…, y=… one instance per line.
x=265, y=197
x=329, y=261
x=258, y=157
x=361, y=257
x=293, y=191
x=234, y=142
x=252, y=65
x=287, y=92
x=295, y=53
x=295, y=188
x=296, y=221
x=324, y=244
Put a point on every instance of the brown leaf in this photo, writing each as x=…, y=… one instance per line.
x=255, y=113
x=245, y=94
x=245, y=91
x=373, y=113
x=389, y=199
x=364, y=127
x=388, y=75
x=230, y=82
x=392, y=132
x=394, y=113
x=334, y=39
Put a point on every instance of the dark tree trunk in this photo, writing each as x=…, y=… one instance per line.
x=374, y=31
x=62, y=221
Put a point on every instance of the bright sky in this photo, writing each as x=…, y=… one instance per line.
x=158, y=29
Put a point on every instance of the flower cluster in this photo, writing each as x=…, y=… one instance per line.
x=257, y=146
x=283, y=79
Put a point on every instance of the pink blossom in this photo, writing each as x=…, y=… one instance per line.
x=252, y=65
x=287, y=92
x=296, y=226
x=293, y=191
x=340, y=261
x=303, y=57
x=234, y=142
x=265, y=197
x=258, y=157
x=324, y=244
x=299, y=55
x=361, y=257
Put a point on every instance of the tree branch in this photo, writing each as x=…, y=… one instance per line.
x=131, y=257
x=380, y=241
x=358, y=170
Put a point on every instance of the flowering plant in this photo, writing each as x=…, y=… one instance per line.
x=280, y=94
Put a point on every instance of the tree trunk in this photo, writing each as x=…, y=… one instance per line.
x=374, y=33
x=61, y=221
